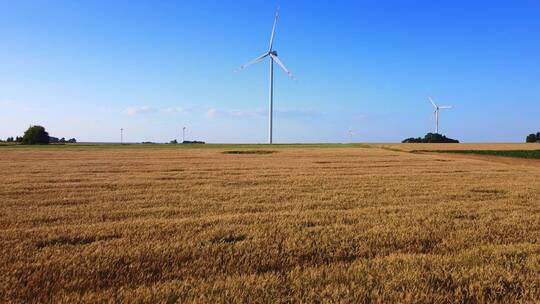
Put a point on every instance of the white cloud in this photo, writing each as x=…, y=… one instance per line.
x=212, y=113
x=18, y=105
x=6, y=103
x=284, y=113
x=248, y=113
x=298, y=113
x=175, y=110
x=136, y=110
x=131, y=111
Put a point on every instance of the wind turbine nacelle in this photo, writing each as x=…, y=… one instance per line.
x=273, y=53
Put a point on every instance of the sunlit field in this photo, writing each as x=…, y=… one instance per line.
x=274, y=224
x=500, y=147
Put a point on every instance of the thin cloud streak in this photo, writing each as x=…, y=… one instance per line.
x=137, y=110
x=214, y=113
x=175, y=110
x=132, y=111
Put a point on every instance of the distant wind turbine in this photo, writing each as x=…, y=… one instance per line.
x=437, y=109
x=183, y=134
x=272, y=54
x=351, y=134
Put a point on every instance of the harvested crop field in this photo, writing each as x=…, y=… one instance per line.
x=459, y=147
x=528, y=154
x=300, y=224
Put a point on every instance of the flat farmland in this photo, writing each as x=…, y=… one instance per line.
x=266, y=224
x=457, y=147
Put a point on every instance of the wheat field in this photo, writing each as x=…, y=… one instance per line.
x=464, y=146
x=357, y=224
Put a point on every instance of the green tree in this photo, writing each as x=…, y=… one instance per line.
x=431, y=138
x=35, y=135
x=531, y=138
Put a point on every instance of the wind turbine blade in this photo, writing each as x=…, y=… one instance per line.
x=273, y=30
x=252, y=62
x=445, y=107
x=278, y=61
x=433, y=103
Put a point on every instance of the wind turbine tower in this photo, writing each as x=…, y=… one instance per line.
x=436, y=112
x=351, y=134
x=272, y=54
x=183, y=134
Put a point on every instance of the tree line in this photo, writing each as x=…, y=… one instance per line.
x=431, y=138
x=37, y=135
x=439, y=138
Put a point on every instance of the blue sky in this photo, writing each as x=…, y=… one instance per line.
x=85, y=69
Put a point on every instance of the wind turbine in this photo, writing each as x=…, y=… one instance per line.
x=351, y=134
x=183, y=134
x=272, y=54
x=437, y=109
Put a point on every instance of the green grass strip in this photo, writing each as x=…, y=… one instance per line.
x=531, y=154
